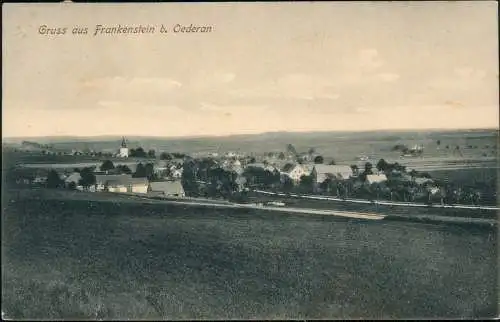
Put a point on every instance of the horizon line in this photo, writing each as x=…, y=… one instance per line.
x=250, y=134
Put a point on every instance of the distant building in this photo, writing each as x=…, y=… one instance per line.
x=177, y=173
x=166, y=189
x=376, y=178
x=121, y=183
x=123, y=149
x=294, y=171
x=72, y=178
x=321, y=172
x=263, y=166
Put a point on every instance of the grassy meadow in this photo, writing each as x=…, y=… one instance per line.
x=77, y=259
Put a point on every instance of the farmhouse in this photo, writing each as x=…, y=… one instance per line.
x=375, y=178
x=127, y=184
x=121, y=183
x=73, y=178
x=321, y=172
x=177, y=173
x=166, y=188
x=294, y=171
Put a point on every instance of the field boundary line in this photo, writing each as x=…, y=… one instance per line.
x=376, y=202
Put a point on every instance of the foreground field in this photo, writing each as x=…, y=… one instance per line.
x=80, y=259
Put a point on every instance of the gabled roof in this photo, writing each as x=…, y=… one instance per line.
x=323, y=171
x=167, y=187
x=120, y=180
x=74, y=177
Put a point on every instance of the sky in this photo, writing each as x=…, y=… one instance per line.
x=265, y=67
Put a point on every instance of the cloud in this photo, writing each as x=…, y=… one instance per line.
x=369, y=59
x=454, y=104
x=127, y=83
x=207, y=80
x=387, y=77
x=470, y=73
x=290, y=86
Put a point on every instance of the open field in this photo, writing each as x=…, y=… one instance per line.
x=81, y=259
x=342, y=146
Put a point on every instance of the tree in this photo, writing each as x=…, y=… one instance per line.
x=318, y=160
x=107, y=165
x=368, y=168
x=178, y=155
x=87, y=178
x=140, y=171
x=138, y=153
x=382, y=165
x=53, y=179
x=354, y=169
x=281, y=156
x=122, y=168
x=291, y=149
x=165, y=156
x=306, y=183
x=149, y=169
x=332, y=162
x=152, y=154
x=438, y=142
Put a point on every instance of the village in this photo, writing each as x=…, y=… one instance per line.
x=234, y=176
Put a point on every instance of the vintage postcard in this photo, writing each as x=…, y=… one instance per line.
x=272, y=160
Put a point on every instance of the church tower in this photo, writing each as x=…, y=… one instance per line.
x=123, y=149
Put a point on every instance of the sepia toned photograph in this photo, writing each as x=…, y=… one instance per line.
x=255, y=161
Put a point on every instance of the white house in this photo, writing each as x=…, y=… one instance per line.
x=127, y=184
x=376, y=178
x=177, y=173
x=121, y=183
x=294, y=171
x=73, y=178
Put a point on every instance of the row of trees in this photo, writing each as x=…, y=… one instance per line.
x=151, y=154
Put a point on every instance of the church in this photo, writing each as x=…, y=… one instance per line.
x=123, y=149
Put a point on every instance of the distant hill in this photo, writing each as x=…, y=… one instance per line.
x=263, y=136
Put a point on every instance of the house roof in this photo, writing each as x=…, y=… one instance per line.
x=256, y=165
x=168, y=187
x=103, y=178
x=263, y=166
x=120, y=180
x=422, y=181
x=375, y=178
x=323, y=171
x=74, y=177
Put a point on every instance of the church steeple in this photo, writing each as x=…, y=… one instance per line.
x=124, y=144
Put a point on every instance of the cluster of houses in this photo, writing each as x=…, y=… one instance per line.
x=120, y=183
x=289, y=167
x=293, y=171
